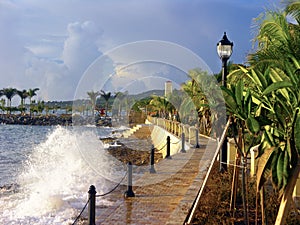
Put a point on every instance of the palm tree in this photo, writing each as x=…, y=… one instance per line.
x=106, y=96
x=280, y=140
x=120, y=96
x=2, y=104
x=93, y=97
x=206, y=97
x=23, y=95
x=277, y=37
x=31, y=93
x=277, y=93
x=9, y=93
x=272, y=87
x=40, y=107
x=162, y=105
x=242, y=110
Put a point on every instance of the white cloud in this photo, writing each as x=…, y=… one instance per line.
x=57, y=79
x=81, y=45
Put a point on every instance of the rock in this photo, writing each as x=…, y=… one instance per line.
x=136, y=157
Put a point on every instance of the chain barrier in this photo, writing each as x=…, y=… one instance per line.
x=159, y=150
x=175, y=143
x=101, y=195
x=107, y=193
x=77, y=218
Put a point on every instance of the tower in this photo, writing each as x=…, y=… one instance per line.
x=168, y=88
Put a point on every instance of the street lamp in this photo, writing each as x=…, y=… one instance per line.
x=224, y=49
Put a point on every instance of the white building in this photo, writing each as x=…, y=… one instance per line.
x=168, y=88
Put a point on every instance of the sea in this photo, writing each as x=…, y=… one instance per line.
x=46, y=172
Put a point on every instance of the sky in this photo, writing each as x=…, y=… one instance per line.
x=51, y=44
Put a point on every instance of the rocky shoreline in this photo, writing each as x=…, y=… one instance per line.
x=53, y=120
x=136, y=151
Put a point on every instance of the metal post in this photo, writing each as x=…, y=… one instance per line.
x=182, y=142
x=168, y=156
x=129, y=192
x=197, y=138
x=92, y=205
x=224, y=72
x=223, y=153
x=152, y=169
x=223, y=156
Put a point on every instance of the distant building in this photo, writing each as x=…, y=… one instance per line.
x=168, y=88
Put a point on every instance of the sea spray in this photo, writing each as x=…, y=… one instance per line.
x=53, y=185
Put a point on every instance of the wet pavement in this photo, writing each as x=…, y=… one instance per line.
x=164, y=197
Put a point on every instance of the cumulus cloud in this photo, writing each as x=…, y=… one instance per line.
x=58, y=78
x=81, y=45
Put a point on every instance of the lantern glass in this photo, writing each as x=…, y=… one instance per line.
x=224, y=51
x=224, y=47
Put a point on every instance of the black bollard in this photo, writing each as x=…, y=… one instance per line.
x=197, y=139
x=92, y=205
x=129, y=192
x=168, y=156
x=152, y=170
x=182, y=143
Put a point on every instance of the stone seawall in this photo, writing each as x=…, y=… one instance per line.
x=159, y=139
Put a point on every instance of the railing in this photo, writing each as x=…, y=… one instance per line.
x=191, y=133
x=197, y=200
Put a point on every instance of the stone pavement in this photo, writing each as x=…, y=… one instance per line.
x=164, y=197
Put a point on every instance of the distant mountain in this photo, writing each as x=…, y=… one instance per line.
x=148, y=94
x=63, y=104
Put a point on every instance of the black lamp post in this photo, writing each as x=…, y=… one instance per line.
x=224, y=49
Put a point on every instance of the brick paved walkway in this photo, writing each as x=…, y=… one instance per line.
x=164, y=197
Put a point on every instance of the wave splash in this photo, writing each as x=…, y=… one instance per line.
x=53, y=185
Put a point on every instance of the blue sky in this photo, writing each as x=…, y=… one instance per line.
x=49, y=44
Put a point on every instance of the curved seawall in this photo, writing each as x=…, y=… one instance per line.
x=159, y=139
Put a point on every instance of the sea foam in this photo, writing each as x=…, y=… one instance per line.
x=53, y=184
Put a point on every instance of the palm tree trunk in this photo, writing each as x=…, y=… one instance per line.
x=9, y=101
x=107, y=108
x=30, y=106
x=244, y=164
x=262, y=206
x=287, y=196
x=234, y=186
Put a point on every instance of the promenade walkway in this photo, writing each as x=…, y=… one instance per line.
x=164, y=197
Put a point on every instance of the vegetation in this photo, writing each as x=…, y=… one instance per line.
x=34, y=106
x=265, y=102
x=93, y=97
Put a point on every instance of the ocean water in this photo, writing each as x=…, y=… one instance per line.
x=45, y=172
